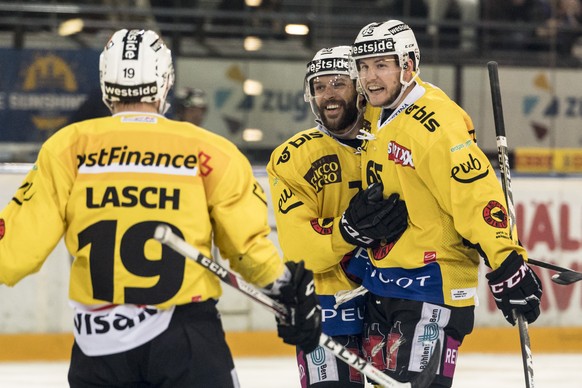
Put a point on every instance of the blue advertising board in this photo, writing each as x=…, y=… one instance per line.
x=42, y=90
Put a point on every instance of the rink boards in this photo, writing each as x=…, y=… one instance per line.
x=37, y=321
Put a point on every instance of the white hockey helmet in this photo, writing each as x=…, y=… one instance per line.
x=136, y=66
x=327, y=61
x=392, y=37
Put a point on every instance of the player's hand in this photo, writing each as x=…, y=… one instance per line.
x=515, y=286
x=303, y=328
x=370, y=218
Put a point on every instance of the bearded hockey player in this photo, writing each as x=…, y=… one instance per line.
x=314, y=176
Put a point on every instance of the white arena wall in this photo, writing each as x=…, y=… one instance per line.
x=549, y=211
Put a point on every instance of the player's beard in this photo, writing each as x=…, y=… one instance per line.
x=345, y=122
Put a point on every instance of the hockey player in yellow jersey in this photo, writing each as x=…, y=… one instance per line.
x=144, y=314
x=424, y=287
x=313, y=176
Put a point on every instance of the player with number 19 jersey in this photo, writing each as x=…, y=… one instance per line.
x=117, y=178
x=430, y=157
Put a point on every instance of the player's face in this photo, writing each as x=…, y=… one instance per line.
x=336, y=97
x=380, y=79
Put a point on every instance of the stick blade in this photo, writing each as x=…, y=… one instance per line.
x=567, y=277
x=425, y=378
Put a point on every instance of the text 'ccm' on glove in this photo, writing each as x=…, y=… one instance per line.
x=515, y=285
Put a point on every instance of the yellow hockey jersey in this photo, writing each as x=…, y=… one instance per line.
x=312, y=178
x=426, y=152
x=105, y=184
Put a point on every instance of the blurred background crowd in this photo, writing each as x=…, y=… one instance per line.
x=477, y=27
x=248, y=35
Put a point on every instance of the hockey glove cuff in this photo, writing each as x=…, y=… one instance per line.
x=515, y=286
x=303, y=326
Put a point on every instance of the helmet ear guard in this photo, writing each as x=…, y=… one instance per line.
x=307, y=92
x=354, y=76
x=136, y=66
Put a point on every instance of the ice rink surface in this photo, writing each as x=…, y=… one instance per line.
x=473, y=371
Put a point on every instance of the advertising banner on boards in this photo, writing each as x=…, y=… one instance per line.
x=40, y=90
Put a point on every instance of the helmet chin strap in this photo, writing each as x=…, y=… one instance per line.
x=163, y=108
x=405, y=85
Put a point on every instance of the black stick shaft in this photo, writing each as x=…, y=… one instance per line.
x=504, y=157
x=165, y=235
x=526, y=354
x=502, y=151
x=551, y=266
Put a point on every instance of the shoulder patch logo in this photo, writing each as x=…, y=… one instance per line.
x=2, y=228
x=322, y=226
x=495, y=215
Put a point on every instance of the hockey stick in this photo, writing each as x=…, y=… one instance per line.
x=564, y=276
x=526, y=354
x=165, y=235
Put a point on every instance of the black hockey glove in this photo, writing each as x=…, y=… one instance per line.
x=370, y=218
x=303, y=328
x=515, y=286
